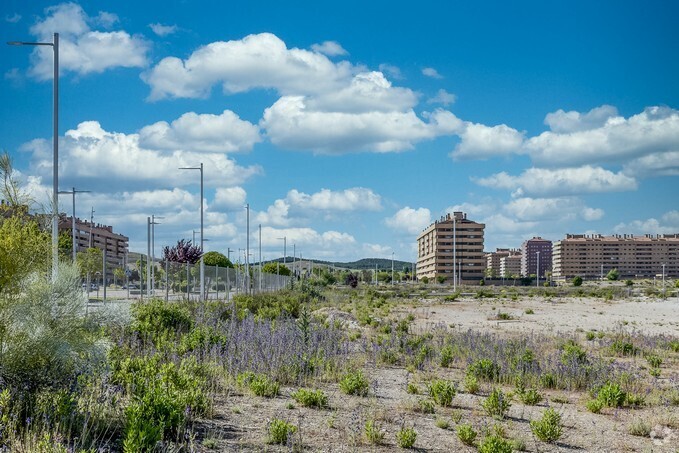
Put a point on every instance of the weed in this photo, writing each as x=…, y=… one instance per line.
x=640, y=427
x=623, y=348
x=442, y=423
x=611, y=395
x=311, y=398
x=466, y=434
x=654, y=361
x=263, y=385
x=495, y=444
x=560, y=399
x=412, y=388
x=374, y=433
x=426, y=406
x=502, y=316
x=279, y=431
x=497, y=404
x=530, y=397
x=484, y=369
x=594, y=406
x=549, y=427
x=590, y=336
x=529, y=311
x=442, y=392
x=406, y=437
x=354, y=383
x=446, y=356
x=456, y=416
x=471, y=384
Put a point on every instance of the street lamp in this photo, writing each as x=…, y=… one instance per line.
x=537, y=281
x=247, y=247
x=202, y=268
x=285, y=250
x=153, y=252
x=73, y=192
x=392, y=268
x=55, y=147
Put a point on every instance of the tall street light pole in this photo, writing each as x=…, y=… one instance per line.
x=537, y=280
x=247, y=247
x=260, y=258
x=202, y=267
x=153, y=251
x=392, y=268
x=285, y=250
x=73, y=192
x=55, y=147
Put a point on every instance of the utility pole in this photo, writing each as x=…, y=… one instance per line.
x=260, y=258
x=91, y=227
x=153, y=251
x=75, y=243
x=392, y=268
x=148, y=255
x=247, y=248
x=537, y=281
x=454, y=252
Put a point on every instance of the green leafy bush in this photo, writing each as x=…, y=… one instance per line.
x=484, y=369
x=311, y=398
x=495, y=444
x=577, y=281
x=572, y=352
x=406, y=437
x=497, y=404
x=654, y=361
x=259, y=384
x=611, y=395
x=446, y=356
x=549, y=427
x=624, y=348
x=374, y=433
x=280, y=431
x=466, y=434
x=530, y=396
x=594, y=406
x=155, y=318
x=442, y=392
x=471, y=384
x=354, y=383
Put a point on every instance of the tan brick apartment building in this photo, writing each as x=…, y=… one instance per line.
x=435, y=249
x=494, y=261
x=593, y=256
x=510, y=265
x=100, y=236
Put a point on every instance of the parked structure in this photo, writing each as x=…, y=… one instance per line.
x=100, y=236
x=593, y=256
x=531, y=250
x=510, y=265
x=452, y=238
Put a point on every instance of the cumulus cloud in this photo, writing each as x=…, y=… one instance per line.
x=163, y=30
x=306, y=238
x=376, y=250
x=231, y=198
x=566, y=122
x=566, y=181
x=409, y=220
x=500, y=223
x=392, y=71
x=473, y=209
x=442, y=97
x=561, y=208
x=201, y=133
x=256, y=61
x=478, y=141
x=114, y=159
x=591, y=214
x=329, y=48
x=81, y=49
x=668, y=224
x=431, y=72
x=606, y=138
x=655, y=164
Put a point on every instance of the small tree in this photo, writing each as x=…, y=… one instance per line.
x=183, y=252
x=276, y=268
x=216, y=259
x=351, y=279
x=577, y=281
x=440, y=279
x=613, y=275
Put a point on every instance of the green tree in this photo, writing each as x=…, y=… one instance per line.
x=65, y=245
x=276, y=268
x=24, y=247
x=216, y=259
x=613, y=275
x=577, y=281
x=89, y=262
x=119, y=274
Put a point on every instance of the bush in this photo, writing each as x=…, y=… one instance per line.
x=497, y=404
x=280, y=430
x=446, y=356
x=426, y=406
x=424, y=280
x=484, y=369
x=624, y=348
x=471, y=384
x=156, y=317
x=374, y=433
x=640, y=427
x=654, y=361
x=311, y=398
x=442, y=392
x=613, y=275
x=571, y=352
x=466, y=434
x=354, y=383
x=577, y=281
x=594, y=406
x=495, y=444
x=549, y=427
x=263, y=385
x=406, y=437
x=611, y=395
x=530, y=397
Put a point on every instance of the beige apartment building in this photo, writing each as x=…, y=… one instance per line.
x=452, y=247
x=494, y=259
x=593, y=256
x=88, y=234
x=510, y=265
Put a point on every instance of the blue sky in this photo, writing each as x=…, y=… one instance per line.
x=348, y=126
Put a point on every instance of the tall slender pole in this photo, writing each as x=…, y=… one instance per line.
x=202, y=249
x=454, y=252
x=148, y=254
x=247, y=246
x=392, y=268
x=537, y=282
x=260, y=258
x=153, y=254
x=91, y=227
x=75, y=244
x=294, y=257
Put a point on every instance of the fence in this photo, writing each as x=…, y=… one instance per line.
x=182, y=280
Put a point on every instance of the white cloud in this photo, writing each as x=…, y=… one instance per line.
x=499, y=223
x=231, y=198
x=668, y=224
x=656, y=164
x=13, y=19
x=431, y=72
x=376, y=250
x=473, y=209
x=561, y=209
x=618, y=139
x=289, y=123
x=276, y=214
x=106, y=19
x=565, y=122
x=409, y=220
x=329, y=48
x=163, y=30
x=115, y=160
x=202, y=133
x=566, y=181
x=256, y=61
x=392, y=71
x=591, y=214
x=82, y=50
x=479, y=141
x=305, y=238
x=442, y=97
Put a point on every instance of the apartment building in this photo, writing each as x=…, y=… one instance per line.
x=493, y=261
x=89, y=234
x=536, y=256
x=452, y=247
x=593, y=256
x=510, y=265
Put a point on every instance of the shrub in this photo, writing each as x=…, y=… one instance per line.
x=504, y=316
x=594, y=406
x=374, y=433
x=529, y=311
x=263, y=385
x=530, y=397
x=155, y=317
x=549, y=427
x=442, y=392
x=613, y=275
x=354, y=383
x=311, y=398
x=484, y=369
x=572, y=352
x=424, y=280
x=495, y=444
x=426, y=406
x=280, y=430
x=629, y=283
x=590, y=336
x=654, y=361
x=442, y=423
x=640, y=427
x=611, y=395
x=440, y=279
x=412, y=388
x=466, y=434
x=497, y=404
x=471, y=384
x=624, y=348
x=577, y=281
x=406, y=437
x=446, y=356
